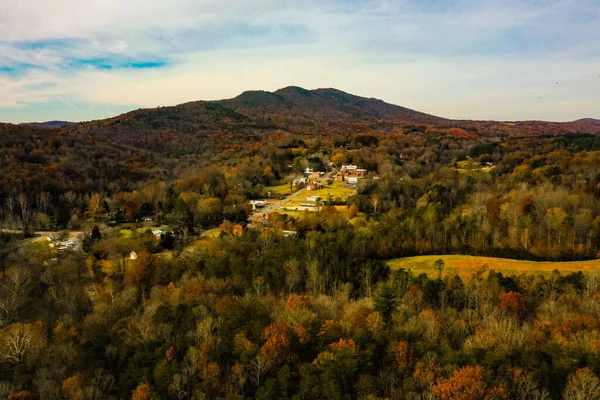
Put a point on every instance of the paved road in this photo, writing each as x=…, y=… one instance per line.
x=277, y=205
x=75, y=236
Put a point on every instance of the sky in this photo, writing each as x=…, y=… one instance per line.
x=79, y=60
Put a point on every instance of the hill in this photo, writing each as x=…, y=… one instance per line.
x=328, y=105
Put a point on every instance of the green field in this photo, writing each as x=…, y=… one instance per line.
x=465, y=266
x=283, y=190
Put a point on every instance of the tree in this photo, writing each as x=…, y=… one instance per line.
x=581, y=385
x=143, y=392
x=467, y=383
x=95, y=206
x=24, y=206
x=14, y=290
x=514, y=303
x=18, y=341
x=96, y=235
x=385, y=302
x=375, y=200
x=438, y=266
x=338, y=159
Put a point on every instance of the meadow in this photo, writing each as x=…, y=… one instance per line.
x=466, y=266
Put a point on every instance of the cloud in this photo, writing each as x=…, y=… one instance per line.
x=461, y=59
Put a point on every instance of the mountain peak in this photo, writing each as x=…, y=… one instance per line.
x=294, y=90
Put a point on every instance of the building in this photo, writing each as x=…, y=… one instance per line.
x=313, y=198
x=258, y=203
x=158, y=232
x=353, y=180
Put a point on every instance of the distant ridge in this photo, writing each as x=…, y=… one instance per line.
x=49, y=124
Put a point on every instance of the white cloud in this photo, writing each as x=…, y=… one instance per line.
x=464, y=59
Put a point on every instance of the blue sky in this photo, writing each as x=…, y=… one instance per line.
x=487, y=59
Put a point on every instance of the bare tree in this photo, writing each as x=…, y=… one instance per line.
x=178, y=387
x=14, y=290
x=259, y=367
x=19, y=340
x=10, y=206
x=582, y=384
x=24, y=206
x=375, y=200
x=43, y=200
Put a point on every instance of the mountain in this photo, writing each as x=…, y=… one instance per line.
x=329, y=105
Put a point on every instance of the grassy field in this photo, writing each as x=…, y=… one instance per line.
x=465, y=266
x=204, y=241
x=283, y=190
x=334, y=190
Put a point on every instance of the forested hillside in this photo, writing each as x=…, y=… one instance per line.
x=175, y=289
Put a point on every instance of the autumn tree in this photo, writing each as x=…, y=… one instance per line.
x=581, y=385
x=467, y=383
x=14, y=290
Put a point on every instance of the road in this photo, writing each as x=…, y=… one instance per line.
x=75, y=236
x=271, y=207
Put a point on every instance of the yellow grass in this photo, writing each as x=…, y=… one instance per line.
x=334, y=190
x=126, y=233
x=465, y=266
x=204, y=241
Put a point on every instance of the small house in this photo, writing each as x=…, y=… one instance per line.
x=313, y=198
x=258, y=203
x=353, y=180
x=159, y=232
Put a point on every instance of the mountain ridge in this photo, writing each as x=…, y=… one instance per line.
x=322, y=105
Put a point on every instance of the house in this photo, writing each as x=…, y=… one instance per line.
x=313, y=198
x=300, y=181
x=361, y=172
x=258, y=203
x=313, y=186
x=349, y=169
x=158, y=232
x=339, y=177
x=353, y=180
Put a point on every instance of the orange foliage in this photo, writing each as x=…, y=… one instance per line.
x=467, y=383
x=24, y=395
x=277, y=347
x=297, y=302
x=73, y=387
x=404, y=354
x=142, y=392
x=344, y=344
x=577, y=324
x=170, y=355
x=513, y=302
